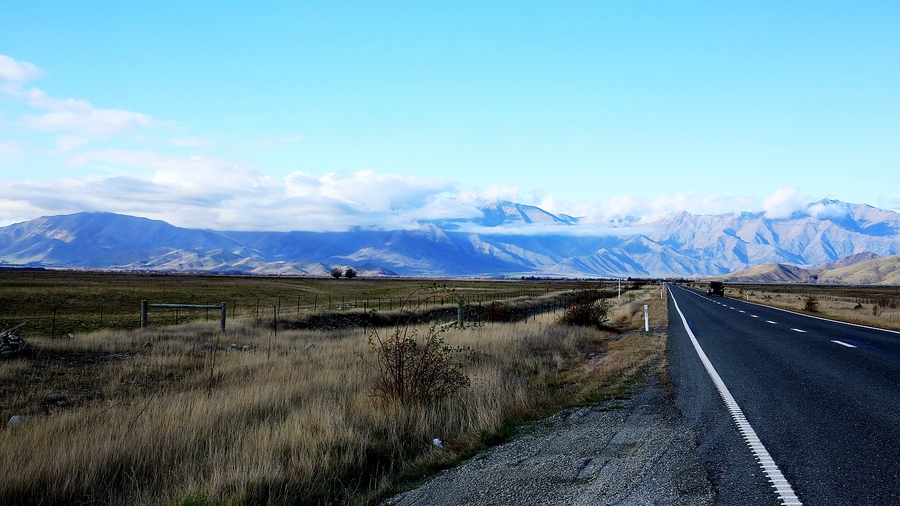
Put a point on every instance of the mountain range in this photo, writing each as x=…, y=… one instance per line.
x=859, y=269
x=508, y=240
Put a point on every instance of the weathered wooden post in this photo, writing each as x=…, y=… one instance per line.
x=224, y=314
x=143, y=314
x=461, y=313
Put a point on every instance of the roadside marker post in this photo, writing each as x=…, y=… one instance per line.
x=646, y=318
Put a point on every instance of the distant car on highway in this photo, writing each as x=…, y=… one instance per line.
x=715, y=288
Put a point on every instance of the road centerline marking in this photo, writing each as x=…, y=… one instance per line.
x=770, y=321
x=783, y=489
x=800, y=331
x=848, y=345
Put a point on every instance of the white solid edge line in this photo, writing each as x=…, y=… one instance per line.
x=784, y=490
x=843, y=343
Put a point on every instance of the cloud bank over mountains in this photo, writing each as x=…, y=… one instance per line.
x=220, y=194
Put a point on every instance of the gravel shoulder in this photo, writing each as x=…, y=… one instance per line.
x=638, y=450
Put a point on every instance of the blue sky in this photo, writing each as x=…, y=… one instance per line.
x=302, y=115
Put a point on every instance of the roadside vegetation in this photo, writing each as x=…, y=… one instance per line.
x=876, y=306
x=270, y=414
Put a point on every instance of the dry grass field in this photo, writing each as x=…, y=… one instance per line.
x=174, y=414
x=877, y=306
x=61, y=302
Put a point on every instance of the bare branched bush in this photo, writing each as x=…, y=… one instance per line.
x=415, y=369
x=811, y=304
x=587, y=308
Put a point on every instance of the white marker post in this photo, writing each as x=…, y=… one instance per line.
x=620, y=290
x=646, y=319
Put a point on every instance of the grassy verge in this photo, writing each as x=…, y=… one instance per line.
x=170, y=416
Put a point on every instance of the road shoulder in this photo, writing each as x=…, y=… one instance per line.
x=637, y=450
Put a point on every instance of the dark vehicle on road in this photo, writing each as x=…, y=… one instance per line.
x=715, y=288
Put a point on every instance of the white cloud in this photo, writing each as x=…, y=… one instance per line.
x=10, y=148
x=382, y=192
x=67, y=143
x=630, y=209
x=13, y=71
x=491, y=194
x=87, y=121
x=889, y=203
x=76, y=119
x=208, y=192
x=217, y=193
x=824, y=211
x=782, y=204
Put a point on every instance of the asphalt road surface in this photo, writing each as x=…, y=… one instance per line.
x=821, y=402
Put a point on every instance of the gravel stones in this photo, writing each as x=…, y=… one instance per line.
x=634, y=451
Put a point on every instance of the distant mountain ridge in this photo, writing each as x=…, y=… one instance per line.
x=859, y=269
x=508, y=239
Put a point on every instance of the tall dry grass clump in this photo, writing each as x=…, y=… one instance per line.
x=178, y=415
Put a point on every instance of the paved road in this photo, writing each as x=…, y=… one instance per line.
x=822, y=397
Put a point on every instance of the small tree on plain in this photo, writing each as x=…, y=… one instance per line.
x=350, y=273
x=337, y=272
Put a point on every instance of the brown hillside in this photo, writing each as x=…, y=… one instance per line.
x=770, y=273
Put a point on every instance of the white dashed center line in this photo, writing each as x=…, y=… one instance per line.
x=740, y=310
x=798, y=330
x=754, y=316
x=843, y=343
x=770, y=321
